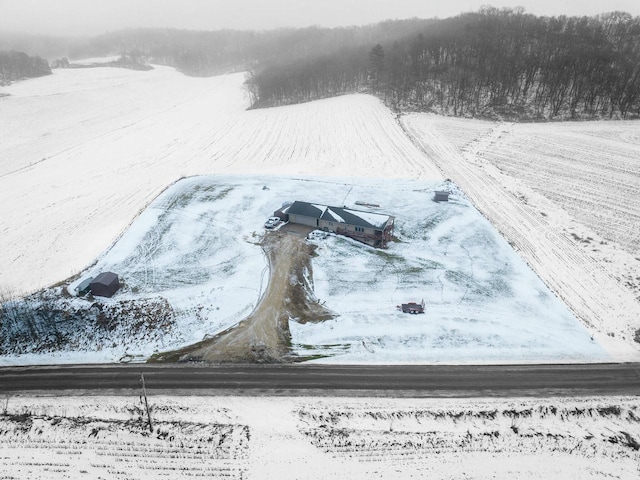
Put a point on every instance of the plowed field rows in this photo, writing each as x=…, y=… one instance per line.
x=561, y=194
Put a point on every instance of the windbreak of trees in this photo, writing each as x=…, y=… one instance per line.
x=18, y=65
x=285, y=82
x=489, y=63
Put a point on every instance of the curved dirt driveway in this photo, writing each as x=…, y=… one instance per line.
x=264, y=336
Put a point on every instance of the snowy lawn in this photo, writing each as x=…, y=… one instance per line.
x=196, y=247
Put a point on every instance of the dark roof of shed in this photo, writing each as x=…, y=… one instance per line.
x=349, y=216
x=105, y=278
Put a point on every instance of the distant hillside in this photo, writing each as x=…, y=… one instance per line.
x=491, y=63
x=215, y=52
x=18, y=65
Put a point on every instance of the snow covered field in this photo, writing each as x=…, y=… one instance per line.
x=84, y=151
x=566, y=197
x=319, y=438
x=483, y=304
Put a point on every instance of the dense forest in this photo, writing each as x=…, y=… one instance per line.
x=501, y=63
x=491, y=63
x=18, y=65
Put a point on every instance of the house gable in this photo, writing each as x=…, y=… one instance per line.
x=306, y=209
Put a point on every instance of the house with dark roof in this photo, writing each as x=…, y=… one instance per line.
x=374, y=229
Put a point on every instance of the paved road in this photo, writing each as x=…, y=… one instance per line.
x=413, y=380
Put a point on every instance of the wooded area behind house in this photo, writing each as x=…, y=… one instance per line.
x=499, y=63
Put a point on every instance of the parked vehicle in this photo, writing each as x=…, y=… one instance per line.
x=272, y=222
x=317, y=235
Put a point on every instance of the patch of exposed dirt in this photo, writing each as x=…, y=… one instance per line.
x=264, y=336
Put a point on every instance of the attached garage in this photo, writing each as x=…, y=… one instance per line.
x=105, y=285
x=304, y=213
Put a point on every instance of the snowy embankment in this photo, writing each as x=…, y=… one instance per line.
x=83, y=151
x=565, y=196
x=327, y=438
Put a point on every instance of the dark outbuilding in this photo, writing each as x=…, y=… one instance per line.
x=441, y=196
x=105, y=285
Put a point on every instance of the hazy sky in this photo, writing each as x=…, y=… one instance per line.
x=88, y=17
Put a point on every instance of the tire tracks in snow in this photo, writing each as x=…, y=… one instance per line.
x=569, y=272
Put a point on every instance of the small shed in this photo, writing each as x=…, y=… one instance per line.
x=441, y=196
x=105, y=285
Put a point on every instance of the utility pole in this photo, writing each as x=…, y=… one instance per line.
x=146, y=403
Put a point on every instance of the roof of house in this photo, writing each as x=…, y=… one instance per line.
x=349, y=216
x=306, y=209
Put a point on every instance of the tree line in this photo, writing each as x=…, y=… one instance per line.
x=18, y=65
x=493, y=62
x=488, y=63
x=205, y=53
